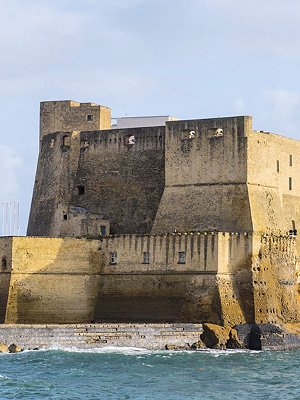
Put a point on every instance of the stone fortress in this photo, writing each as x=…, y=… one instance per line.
x=190, y=221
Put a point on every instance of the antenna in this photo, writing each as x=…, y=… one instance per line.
x=10, y=219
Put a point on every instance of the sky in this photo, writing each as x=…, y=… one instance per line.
x=189, y=59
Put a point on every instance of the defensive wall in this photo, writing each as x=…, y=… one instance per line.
x=232, y=192
x=224, y=278
x=101, y=173
x=211, y=174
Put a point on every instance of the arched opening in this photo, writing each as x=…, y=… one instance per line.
x=3, y=263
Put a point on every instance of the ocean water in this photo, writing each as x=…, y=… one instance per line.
x=128, y=373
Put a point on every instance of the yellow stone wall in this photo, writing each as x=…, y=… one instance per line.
x=273, y=204
x=227, y=278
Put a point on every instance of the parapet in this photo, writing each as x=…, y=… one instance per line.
x=69, y=115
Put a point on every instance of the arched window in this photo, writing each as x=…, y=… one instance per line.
x=3, y=262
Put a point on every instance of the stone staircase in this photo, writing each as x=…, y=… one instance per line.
x=89, y=336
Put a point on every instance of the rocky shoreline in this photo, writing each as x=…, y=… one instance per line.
x=15, y=338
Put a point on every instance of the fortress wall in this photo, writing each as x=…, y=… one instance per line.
x=52, y=280
x=5, y=273
x=206, y=176
x=222, y=281
x=56, y=280
x=210, y=157
x=164, y=289
x=275, y=274
x=269, y=185
x=234, y=278
x=56, y=170
x=123, y=183
x=72, y=116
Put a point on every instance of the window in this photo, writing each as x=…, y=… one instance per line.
x=80, y=190
x=3, y=263
x=51, y=143
x=65, y=216
x=66, y=141
x=103, y=230
x=89, y=117
x=277, y=165
x=291, y=160
x=146, y=257
x=290, y=183
x=181, y=259
x=113, y=258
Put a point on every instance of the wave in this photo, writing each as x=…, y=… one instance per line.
x=140, y=350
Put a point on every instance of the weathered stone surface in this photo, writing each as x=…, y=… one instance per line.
x=219, y=337
x=215, y=336
x=171, y=346
x=233, y=342
x=14, y=348
x=3, y=348
x=198, y=345
x=266, y=337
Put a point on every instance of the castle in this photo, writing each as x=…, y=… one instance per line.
x=191, y=221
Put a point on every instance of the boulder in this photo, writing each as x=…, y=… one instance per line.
x=198, y=345
x=219, y=337
x=233, y=342
x=14, y=348
x=3, y=348
x=215, y=336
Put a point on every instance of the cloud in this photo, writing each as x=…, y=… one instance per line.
x=9, y=163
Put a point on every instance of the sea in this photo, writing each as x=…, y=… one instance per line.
x=132, y=373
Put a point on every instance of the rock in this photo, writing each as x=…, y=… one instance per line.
x=267, y=337
x=215, y=336
x=3, y=348
x=233, y=342
x=171, y=346
x=14, y=348
x=198, y=345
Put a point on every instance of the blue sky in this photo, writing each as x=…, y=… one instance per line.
x=191, y=59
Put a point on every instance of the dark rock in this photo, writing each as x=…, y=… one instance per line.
x=14, y=348
x=266, y=337
x=233, y=342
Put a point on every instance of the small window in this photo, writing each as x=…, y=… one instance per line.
x=181, y=259
x=113, y=258
x=66, y=141
x=89, y=117
x=290, y=183
x=51, y=143
x=65, y=216
x=277, y=165
x=3, y=263
x=80, y=190
x=291, y=160
x=146, y=257
x=103, y=229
